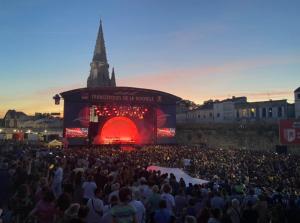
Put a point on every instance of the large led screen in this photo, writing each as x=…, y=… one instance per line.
x=166, y=124
x=76, y=132
x=122, y=124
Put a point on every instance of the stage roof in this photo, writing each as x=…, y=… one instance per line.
x=120, y=94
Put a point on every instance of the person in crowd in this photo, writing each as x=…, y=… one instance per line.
x=234, y=212
x=45, y=209
x=77, y=184
x=190, y=219
x=152, y=202
x=203, y=216
x=124, y=212
x=115, y=190
x=82, y=213
x=243, y=185
x=107, y=216
x=145, y=191
x=138, y=206
x=215, y=216
x=181, y=202
x=262, y=209
x=250, y=197
x=22, y=203
x=163, y=214
x=95, y=206
x=64, y=200
x=57, y=180
x=89, y=188
x=168, y=197
x=190, y=209
x=42, y=186
x=71, y=212
x=249, y=214
x=217, y=201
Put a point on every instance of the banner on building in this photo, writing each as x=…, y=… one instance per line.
x=289, y=132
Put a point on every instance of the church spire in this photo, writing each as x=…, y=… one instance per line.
x=100, y=51
x=113, y=78
x=99, y=72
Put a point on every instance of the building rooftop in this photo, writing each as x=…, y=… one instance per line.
x=297, y=90
x=235, y=99
x=14, y=114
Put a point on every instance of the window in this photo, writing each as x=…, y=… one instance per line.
x=210, y=114
x=298, y=96
x=237, y=114
x=279, y=111
x=198, y=116
x=218, y=115
x=244, y=112
x=252, y=112
x=264, y=112
x=270, y=112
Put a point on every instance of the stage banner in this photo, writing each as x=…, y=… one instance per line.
x=289, y=132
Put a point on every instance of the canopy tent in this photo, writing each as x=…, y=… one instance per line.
x=178, y=173
x=54, y=144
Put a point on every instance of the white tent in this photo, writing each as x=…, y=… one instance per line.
x=178, y=173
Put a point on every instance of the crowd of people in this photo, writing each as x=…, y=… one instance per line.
x=107, y=184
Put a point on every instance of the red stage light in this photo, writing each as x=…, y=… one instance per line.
x=118, y=130
x=129, y=111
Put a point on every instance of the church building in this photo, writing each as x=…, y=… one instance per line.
x=99, y=73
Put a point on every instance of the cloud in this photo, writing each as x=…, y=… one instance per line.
x=198, y=83
x=57, y=89
x=190, y=36
x=202, y=83
x=37, y=101
x=265, y=95
x=181, y=75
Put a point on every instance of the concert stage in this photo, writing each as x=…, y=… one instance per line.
x=118, y=116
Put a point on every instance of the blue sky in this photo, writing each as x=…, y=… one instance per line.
x=195, y=49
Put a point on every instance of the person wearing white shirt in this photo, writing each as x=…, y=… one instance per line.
x=95, y=206
x=89, y=188
x=168, y=197
x=138, y=206
x=57, y=181
x=145, y=190
x=115, y=191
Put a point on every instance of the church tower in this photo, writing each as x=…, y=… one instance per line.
x=113, y=78
x=99, y=73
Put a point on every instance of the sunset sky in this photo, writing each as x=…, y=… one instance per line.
x=195, y=49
